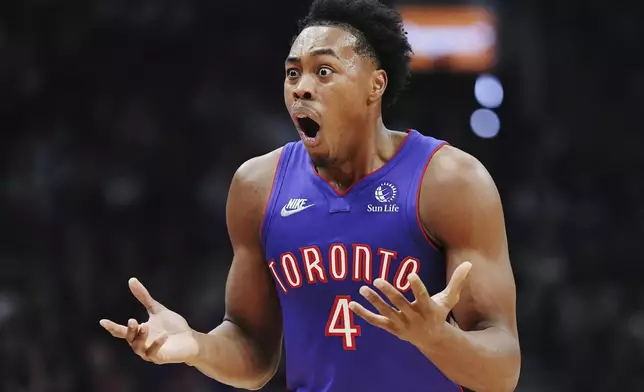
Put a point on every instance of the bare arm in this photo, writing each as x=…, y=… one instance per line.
x=461, y=210
x=244, y=350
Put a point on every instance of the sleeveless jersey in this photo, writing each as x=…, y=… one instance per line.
x=322, y=246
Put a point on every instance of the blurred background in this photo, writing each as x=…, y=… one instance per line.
x=123, y=121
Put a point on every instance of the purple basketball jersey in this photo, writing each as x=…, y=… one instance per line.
x=322, y=246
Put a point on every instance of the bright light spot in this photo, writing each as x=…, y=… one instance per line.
x=485, y=123
x=488, y=91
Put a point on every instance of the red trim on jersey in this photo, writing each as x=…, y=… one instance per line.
x=342, y=193
x=270, y=195
x=461, y=388
x=420, y=187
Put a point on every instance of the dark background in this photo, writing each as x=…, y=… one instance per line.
x=123, y=121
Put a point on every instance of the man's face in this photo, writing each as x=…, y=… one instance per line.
x=327, y=90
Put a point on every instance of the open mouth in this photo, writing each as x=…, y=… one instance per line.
x=308, y=126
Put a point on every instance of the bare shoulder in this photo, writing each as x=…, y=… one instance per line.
x=253, y=180
x=456, y=188
x=258, y=171
x=455, y=170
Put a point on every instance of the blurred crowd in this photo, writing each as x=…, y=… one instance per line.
x=123, y=122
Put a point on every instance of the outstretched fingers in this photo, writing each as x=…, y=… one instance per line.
x=452, y=292
x=132, y=330
x=143, y=296
x=152, y=351
x=138, y=343
x=138, y=336
x=116, y=330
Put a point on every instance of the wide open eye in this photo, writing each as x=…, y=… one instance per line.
x=325, y=71
x=292, y=73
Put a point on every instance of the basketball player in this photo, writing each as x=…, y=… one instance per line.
x=354, y=219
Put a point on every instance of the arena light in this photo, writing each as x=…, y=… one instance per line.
x=488, y=91
x=485, y=123
x=459, y=38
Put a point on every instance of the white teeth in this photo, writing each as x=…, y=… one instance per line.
x=308, y=138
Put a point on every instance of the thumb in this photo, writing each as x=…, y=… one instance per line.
x=455, y=285
x=144, y=297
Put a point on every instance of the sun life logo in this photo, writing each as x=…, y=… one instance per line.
x=386, y=192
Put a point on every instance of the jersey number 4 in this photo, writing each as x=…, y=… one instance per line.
x=341, y=323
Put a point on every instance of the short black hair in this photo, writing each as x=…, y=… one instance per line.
x=380, y=36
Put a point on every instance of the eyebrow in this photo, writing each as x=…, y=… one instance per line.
x=315, y=52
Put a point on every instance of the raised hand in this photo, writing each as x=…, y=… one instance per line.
x=165, y=338
x=412, y=321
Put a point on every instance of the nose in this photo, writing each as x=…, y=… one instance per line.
x=304, y=89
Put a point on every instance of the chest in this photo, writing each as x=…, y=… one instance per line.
x=306, y=213
x=316, y=238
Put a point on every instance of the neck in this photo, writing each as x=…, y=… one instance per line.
x=377, y=147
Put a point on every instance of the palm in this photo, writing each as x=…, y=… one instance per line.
x=444, y=305
x=180, y=345
x=165, y=338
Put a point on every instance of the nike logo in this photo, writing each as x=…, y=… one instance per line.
x=294, y=206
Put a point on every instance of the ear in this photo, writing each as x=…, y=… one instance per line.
x=378, y=85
